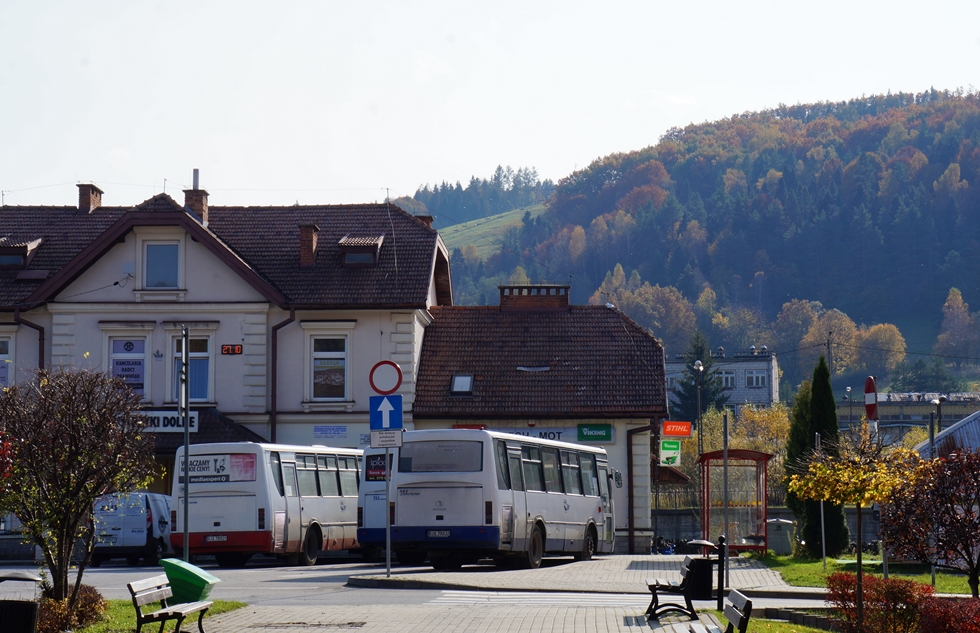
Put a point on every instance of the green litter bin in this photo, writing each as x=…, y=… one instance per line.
x=189, y=582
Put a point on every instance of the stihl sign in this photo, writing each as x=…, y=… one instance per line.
x=671, y=428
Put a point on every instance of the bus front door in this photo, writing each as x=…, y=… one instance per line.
x=294, y=519
x=608, y=530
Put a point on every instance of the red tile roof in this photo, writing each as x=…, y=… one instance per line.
x=263, y=242
x=600, y=364
x=214, y=427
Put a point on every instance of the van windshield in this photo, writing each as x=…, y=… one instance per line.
x=441, y=456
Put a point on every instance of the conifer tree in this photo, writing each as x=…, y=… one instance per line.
x=686, y=391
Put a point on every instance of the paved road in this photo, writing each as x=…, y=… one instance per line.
x=606, y=594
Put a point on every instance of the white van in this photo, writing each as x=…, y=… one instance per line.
x=132, y=525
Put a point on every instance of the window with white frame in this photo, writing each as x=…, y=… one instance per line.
x=6, y=362
x=199, y=366
x=727, y=379
x=328, y=361
x=161, y=265
x=755, y=378
x=127, y=361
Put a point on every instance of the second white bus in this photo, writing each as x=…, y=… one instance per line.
x=461, y=495
x=248, y=498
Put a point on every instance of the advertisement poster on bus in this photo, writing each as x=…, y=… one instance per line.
x=374, y=467
x=219, y=468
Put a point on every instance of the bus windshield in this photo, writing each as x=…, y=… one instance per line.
x=443, y=456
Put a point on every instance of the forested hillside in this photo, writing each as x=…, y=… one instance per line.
x=867, y=209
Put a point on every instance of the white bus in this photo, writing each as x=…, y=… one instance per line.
x=461, y=495
x=247, y=498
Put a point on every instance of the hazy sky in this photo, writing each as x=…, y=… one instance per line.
x=278, y=101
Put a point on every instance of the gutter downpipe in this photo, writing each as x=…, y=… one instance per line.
x=629, y=477
x=40, y=336
x=274, y=394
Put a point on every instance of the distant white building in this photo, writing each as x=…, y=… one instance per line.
x=750, y=377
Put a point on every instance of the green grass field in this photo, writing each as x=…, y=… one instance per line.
x=486, y=234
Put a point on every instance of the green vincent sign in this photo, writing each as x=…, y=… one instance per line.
x=600, y=433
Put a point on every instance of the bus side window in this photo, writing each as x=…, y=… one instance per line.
x=348, y=475
x=570, y=472
x=276, y=466
x=590, y=481
x=552, y=469
x=533, y=476
x=503, y=471
x=327, y=474
x=604, y=484
x=306, y=474
x=516, y=480
x=289, y=479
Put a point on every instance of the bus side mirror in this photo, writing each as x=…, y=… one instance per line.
x=618, y=477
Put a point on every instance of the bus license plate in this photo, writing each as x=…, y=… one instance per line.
x=215, y=538
x=437, y=533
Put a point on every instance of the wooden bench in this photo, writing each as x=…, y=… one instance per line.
x=157, y=589
x=691, y=582
x=737, y=613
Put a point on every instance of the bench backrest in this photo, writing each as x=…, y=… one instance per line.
x=686, y=567
x=156, y=589
x=737, y=612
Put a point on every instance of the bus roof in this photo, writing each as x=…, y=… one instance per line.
x=435, y=434
x=197, y=449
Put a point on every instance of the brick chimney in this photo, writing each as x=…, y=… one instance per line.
x=425, y=219
x=536, y=298
x=89, y=198
x=307, y=245
x=196, y=200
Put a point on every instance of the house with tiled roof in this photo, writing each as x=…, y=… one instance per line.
x=536, y=365
x=288, y=308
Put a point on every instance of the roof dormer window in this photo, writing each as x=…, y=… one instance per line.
x=16, y=253
x=360, y=252
x=462, y=385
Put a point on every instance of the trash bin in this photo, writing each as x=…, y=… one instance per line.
x=189, y=582
x=19, y=616
x=699, y=573
x=781, y=536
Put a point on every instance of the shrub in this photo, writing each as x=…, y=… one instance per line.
x=54, y=616
x=890, y=606
x=938, y=615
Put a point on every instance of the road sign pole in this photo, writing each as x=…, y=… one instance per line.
x=387, y=513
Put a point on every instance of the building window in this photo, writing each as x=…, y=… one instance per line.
x=462, y=385
x=329, y=368
x=672, y=381
x=755, y=378
x=199, y=364
x=6, y=363
x=127, y=361
x=328, y=360
x=728, y=380
x=161, y=265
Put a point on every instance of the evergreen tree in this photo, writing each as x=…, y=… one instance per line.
x=797, y=445
x=686, y=391
x=823, y=421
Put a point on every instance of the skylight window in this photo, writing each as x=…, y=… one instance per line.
x=462, y=385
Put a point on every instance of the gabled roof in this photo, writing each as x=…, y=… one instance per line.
x=260, y=243
x=582, y=362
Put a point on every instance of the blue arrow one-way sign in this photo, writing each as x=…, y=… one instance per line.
x=386, y=412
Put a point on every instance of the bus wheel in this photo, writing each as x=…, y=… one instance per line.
x=231, y=560
x=588, y=545
x=535, y=549
x=445, y=563
x=410, y=558
x=311, y=547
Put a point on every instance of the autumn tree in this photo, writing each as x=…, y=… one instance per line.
x=880, y=348
x=839, y=330
x=936, y=519
x=764, y=429
x=74, y=435
x=712, y=394
x=856, y=469
x=957, y=336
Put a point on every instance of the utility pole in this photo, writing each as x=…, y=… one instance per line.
x=830, y=352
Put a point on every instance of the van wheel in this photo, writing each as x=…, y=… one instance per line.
x=588, y=545
x=95, y=562
x=154, y=552
x=133, y=560
x=535, y=549
x=311, y=547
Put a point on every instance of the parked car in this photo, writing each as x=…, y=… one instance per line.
x=132, y=525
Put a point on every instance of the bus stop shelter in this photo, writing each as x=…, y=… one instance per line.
x=747, y=509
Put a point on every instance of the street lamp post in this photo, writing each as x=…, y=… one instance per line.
x=938, y=402
x=699, y=367
x=847, y=396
